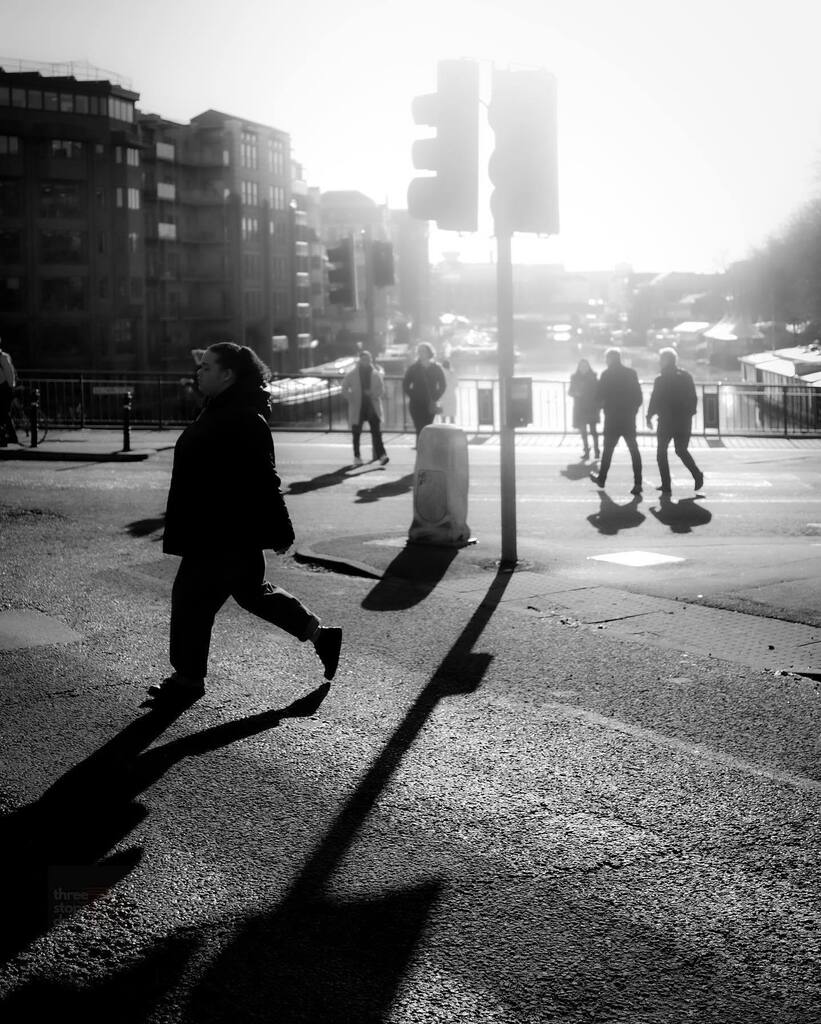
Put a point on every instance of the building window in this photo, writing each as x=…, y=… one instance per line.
x=133, y=199
x=66, y=149
x=4, y=95
x=60, y=200
x=248, y=150
x=81, y=104
x=133, y=241
x=118, y=154
x=250, y=193
x=165, y=151
x=252, y=302
x=9, y=145
x=251, y=265
x=35, y=99
x=276, y=156
x=63, y=294
x=168, y=232
x=50, y=101
x=10, y=251
x=250, y=229
x=18, y=97
x=118, y=196
x=11, y=294
x=276, y=197
x=66, y=103
x=136, y=289
x=166, y=190
x=133, y=157
x=62, y=246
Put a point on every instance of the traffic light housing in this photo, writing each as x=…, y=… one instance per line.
x=382, y=262
x=342, y=274
x=450, y=195
x=524, y=165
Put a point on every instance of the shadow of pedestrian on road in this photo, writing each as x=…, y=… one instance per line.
x=387, y=490
x=144, y=527
x=56, y=849
x=577, y=470
x=318, y=482
x=611, y=517
x=681, y=516
x=411, y=576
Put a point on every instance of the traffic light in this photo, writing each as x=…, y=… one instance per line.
x=524, y=165
x=382, y=261
x=342, y=273
x=450, y=195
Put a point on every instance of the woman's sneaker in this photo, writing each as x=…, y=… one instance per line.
x=180, y=687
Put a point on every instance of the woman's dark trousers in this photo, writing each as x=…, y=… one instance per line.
x=376, y=435
x=201, y=588
x=421, y=415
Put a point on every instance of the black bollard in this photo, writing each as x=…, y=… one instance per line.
x=34, y=415
x=127, y=422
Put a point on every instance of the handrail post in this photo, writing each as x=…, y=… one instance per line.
x=127, y=422
x=34, y=412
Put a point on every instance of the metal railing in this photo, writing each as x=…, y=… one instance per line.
x=317, y=403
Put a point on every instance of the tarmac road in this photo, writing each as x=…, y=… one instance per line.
x=500, y=812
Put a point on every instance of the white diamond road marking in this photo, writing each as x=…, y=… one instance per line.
x=635, y=558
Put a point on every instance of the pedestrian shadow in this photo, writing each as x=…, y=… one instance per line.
x=681, y=516
x=57, y=848
x=577, y=470
x=391, y=489
x=317, y=957
x=612, y=517
x=145, y=527
x=411, y=576
x=318, y=482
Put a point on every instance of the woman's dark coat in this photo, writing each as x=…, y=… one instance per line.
x=583, y=392
x=225, y=490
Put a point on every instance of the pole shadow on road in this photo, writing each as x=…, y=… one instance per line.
x=411, y=576
x=612, y=517
x=316, y=957
x=327, y=959
x=56, y=849
x=682, y=515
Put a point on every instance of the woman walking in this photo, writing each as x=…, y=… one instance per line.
x=224, y=510
x=424, y=384
x=583, y=384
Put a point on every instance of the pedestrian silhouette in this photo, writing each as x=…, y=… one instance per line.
x=618, y=394
x=424, y=384
x=583, y=386
x=674, y=402
x=363, y=387
x=8, y=382
x=225, y=508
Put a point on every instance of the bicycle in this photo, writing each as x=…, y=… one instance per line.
x=20, y=413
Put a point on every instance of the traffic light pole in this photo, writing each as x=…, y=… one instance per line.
x=504, y=325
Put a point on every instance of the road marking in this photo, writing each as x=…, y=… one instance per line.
x=693, y=749
x=639, y=559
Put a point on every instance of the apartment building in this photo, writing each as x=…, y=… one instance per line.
x=72, y=256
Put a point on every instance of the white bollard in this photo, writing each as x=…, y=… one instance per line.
x=440, y=487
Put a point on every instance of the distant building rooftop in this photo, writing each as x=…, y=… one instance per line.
x=81, y=71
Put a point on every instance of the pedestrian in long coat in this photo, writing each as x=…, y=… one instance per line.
x=363, y=386
x=583, y=385
x=224, y=510
x=674, y=402
x=619, y=396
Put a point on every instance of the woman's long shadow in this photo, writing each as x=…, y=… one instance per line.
x=681, y=516
x=612, y=517
x=55, y=849
x=387, y=490
x=318, y=482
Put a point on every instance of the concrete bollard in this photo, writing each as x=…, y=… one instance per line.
x=440, y=488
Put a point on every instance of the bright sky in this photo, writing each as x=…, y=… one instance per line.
x=689, y=130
